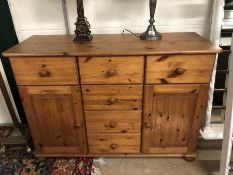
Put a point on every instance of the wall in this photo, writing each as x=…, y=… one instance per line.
x=4, y=113
x=110, y=16
x=5, y=117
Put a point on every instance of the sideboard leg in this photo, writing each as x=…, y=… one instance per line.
x=189, y=159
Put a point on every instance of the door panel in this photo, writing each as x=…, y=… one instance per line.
x=55, y=118
x=168, y=116
x=172, y=117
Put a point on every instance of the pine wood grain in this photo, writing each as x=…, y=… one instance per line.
x=112, y=97
x=119, y=155
x=60, y=70
x=198, y=118
x=168, y=150
x=146, y=118
x=167, y=123
x=52, y=118
x=124, y=143
x=113, y=121
x=111, y=70
x=113, y=45
x=194, y=69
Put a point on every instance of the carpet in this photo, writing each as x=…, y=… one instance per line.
x=20, y=162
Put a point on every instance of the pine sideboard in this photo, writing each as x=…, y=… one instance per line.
x=114, y=96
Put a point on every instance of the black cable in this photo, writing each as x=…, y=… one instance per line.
x=129, y=32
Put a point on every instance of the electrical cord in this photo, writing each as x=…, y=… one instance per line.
x=123, y=32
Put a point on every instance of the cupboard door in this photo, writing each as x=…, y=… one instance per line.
x=55, y=118
x=172, y=118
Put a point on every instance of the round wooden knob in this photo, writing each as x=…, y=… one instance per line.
x=179, y=71
x=44, y=73
x=111, y=72
x=78, y=125
x=112, y=124
x=112, y=100
x=148, y=125
x=114, y=146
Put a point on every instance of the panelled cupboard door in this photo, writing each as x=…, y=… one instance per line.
x=172, y=118
x=55, y=118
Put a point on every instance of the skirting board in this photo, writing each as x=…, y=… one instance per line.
x=7, y=124
x=213, y=132
x=119, y=155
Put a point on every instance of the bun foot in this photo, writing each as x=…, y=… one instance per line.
x=189, y=159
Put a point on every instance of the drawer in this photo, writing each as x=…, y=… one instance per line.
x=112, y=97
x=114, y=143
x=113, y=121
x=45, y=70
x=111, y=70
x=179, y=69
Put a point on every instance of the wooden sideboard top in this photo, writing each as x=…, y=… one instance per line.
x=112, y=45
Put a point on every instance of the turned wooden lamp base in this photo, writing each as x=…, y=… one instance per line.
x=83, y=38
x=82, y=31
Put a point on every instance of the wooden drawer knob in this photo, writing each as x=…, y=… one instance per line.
x=78, y=125
x=112, y=100
x=112, y=124
x=179, y=71
x=111, y=72
x=114, y=146
x=148, y=125
x=44, y=73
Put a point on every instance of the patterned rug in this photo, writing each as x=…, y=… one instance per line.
x=20, y=162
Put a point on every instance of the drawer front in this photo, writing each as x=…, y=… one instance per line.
x=114, y=143
x=45, y=70
x=111, y=70
x=112, y=97
x=179, y=69
x=113, y=121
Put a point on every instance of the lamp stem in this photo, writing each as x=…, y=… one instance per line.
x=151, y=32
x=153, y=4
x=80, y=9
